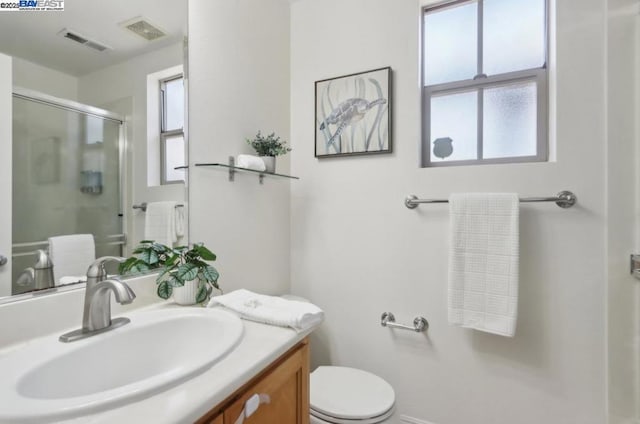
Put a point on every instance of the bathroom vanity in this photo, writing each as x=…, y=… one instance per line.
x=268, y=361
x=285, y=383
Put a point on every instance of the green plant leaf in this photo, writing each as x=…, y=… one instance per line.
x=205, y=253
x=186, y=272
x=202, y=294
x=139, y=268
x=174, y=281
x=164, y=290
x=149, y=256
x=210, y=274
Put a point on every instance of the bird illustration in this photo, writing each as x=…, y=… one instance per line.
x=443, y=147
x=347, y=113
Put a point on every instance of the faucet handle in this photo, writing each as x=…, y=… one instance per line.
x=97, y=270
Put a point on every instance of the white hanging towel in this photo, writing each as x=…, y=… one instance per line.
x=483, y=261
x=160, y=223
x=71, y=255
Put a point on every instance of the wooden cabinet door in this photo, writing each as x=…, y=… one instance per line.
x=287, y=385
x=217, y=420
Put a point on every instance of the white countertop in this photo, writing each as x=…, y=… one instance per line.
x=185, y=403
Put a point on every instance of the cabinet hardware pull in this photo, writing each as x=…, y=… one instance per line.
x=251, y=405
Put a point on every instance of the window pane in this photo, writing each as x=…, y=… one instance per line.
x=174, y=104
x=514, y=35
x=450, y=44
x=510, y=121
x=173, y=157
x=454, y=127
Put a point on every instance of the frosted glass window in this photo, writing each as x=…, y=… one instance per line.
x=174, y=157
x=450, y=44
x=485, y=82
x=513, y=35
x=510, y=121
x=174, y=104
x=454, y=127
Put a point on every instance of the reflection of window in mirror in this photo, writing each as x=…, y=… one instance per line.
x=171, y=129
x=166, y=147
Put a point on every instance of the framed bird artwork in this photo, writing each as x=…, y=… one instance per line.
x=353, y=114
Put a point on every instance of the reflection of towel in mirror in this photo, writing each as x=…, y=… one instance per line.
x=160, y=223
x=180, y=221
x=71, y=255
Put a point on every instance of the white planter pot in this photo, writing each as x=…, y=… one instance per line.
x=269, y=163
x=186, y=295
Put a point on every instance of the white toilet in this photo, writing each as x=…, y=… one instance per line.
x=341, y=395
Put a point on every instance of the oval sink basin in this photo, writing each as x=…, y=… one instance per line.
x=49, y=380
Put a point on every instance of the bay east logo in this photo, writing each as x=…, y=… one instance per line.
x=32, y=5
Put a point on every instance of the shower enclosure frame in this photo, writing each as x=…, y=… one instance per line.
x=87, y=110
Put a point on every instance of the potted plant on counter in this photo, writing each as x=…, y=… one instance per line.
x=184, y=272
x=148, y=256
x=188, y=276
x=268, y=147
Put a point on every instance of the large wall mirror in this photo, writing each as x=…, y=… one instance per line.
x=98, y=128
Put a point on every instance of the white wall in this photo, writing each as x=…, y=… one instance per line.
x=45, y=80
x=5, y=171
x=125, y=84
x=622, y=293
x=357, y=251
x=239, y=84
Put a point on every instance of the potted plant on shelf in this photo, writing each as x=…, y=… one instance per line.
x=184, y=271
x=268, y=147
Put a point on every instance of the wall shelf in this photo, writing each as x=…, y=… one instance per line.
x=233, y=169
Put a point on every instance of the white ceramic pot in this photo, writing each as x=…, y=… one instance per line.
x=269, y=163
x=186, y=295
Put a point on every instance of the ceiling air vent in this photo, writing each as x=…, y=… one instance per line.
x=81, y=39
x=143, y=28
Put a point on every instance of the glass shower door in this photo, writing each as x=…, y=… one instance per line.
x=66, y=180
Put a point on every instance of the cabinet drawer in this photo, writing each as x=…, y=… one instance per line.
x=286, y=386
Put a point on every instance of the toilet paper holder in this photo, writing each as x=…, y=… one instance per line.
x=420, y=324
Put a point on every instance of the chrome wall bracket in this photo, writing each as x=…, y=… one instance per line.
x=420, y=324
x=634, y=266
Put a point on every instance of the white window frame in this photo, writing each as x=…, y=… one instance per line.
x=481, y=82
x=164, y=134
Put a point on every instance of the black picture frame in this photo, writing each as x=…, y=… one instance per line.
x=353, y=114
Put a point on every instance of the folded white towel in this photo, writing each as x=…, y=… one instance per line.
x=250, y=162
x=180, y=221
x=483, y=262
x=160, y=223
x=70, y=279
x=71, y=255
x=271, y=309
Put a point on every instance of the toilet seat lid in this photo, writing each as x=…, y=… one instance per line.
x=350, y=393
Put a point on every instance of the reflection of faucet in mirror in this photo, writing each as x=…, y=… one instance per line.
x=97, y=301
x=40, y=275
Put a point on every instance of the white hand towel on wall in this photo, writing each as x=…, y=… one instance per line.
x=483, y=262
x=71, y=255
x=160, y=223
x=271, y=309
x=250, y=162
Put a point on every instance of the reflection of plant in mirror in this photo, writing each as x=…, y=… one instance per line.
x=189, y=264
x=148, y=256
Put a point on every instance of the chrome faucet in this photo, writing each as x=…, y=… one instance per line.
x=97, y=301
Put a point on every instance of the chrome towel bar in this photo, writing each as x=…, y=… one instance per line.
x=143, y=206
x=564, y=199
x=419, y=323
